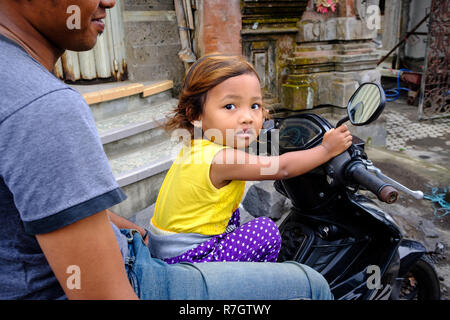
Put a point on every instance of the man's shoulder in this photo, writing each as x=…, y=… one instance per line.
x=24, y=80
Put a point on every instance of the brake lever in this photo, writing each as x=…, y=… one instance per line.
x=371, y=168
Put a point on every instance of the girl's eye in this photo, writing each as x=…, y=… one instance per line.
x=230, y=106
x=255, y=106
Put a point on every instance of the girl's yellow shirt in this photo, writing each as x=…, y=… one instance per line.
x=188, y=202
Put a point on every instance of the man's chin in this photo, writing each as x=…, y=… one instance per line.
x=85, y=44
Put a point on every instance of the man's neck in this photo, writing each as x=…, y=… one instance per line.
x=17, y=28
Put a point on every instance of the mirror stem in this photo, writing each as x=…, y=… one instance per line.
x=345, y=119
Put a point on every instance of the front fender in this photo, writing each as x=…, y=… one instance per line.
x=409, y=252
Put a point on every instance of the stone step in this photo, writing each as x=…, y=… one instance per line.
x=142, y=163
x=129, y=118
x=133, y=130
x=114, y=99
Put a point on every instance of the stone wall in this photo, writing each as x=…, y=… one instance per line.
x=268, y=33
x=334, y=54
x=304, y=59
x=152, y=41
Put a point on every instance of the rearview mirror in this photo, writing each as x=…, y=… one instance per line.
x=365, y=105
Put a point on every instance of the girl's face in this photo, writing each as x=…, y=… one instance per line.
x=232, y=113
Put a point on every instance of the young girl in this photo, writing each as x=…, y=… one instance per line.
x=196, y=216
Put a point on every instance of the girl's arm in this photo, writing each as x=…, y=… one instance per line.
x=232, y=164
x=123, y=223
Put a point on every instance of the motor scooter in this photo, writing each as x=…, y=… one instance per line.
x=337, y=230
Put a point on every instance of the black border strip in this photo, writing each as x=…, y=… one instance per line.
x=75, y=213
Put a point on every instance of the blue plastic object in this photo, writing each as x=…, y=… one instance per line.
x=438, y=197
x=393, y=94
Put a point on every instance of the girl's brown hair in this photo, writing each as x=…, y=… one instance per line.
x=206, y=73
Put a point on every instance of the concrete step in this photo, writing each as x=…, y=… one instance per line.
x=133, y=130
x=129, y=118
x=118, y=98
x=144, y=162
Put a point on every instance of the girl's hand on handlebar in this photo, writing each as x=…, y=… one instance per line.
x=336, y=141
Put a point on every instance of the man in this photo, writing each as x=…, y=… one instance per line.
x=55, y=183
x=56, y=236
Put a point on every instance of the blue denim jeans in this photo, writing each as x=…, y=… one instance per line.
x=154, y=279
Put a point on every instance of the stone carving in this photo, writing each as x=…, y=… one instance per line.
x=332, y=57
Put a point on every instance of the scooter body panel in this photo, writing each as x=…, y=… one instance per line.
x=357, y=261
x=409, y=252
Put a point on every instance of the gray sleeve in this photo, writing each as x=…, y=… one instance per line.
x=52, y=161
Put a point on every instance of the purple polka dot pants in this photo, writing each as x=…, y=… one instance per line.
x=256, y=241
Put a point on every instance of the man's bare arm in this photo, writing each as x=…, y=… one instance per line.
x=90, y=245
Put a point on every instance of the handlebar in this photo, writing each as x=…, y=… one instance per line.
x=357, y=172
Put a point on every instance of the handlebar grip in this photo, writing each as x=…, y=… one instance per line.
x=388, y=194
x=384, y=191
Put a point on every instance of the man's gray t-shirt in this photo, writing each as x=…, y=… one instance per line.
x=53, y=171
